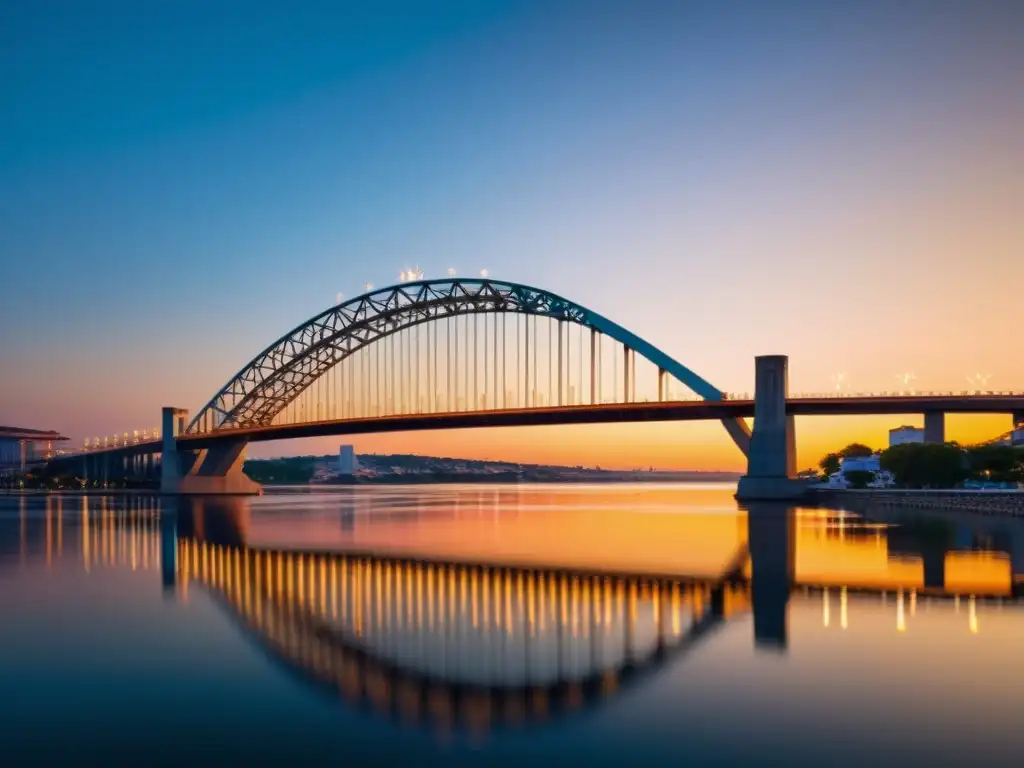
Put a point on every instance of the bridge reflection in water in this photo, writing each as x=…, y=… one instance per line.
x=476, y=645
x=452, y=643
x=462, y=645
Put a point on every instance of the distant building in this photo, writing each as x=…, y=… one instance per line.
x=905, y=434
x=21, y=447
x=347, y=464
x=872, y=464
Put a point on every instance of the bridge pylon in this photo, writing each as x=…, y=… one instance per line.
x=771, y=462
x=212, y=471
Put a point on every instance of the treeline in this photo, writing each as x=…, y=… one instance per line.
x=931, y=465
x=291, y=471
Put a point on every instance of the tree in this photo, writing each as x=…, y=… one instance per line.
x=829, y=464
x=859, y=478
x=925, y=465
x=999, y=463
x=856, y=451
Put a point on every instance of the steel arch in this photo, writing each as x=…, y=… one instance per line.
x=282, y=371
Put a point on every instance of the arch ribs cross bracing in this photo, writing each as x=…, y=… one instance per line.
x=282, y=371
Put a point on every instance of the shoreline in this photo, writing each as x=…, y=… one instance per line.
x=991, y=502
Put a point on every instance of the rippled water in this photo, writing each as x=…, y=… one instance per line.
x=430, y=625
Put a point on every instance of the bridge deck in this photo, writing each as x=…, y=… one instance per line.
x=683, y=410
x=693, y=410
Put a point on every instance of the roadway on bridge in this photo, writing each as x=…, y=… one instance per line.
x=694, y=410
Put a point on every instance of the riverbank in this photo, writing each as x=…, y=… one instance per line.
x=80, y=492
x=991, y=502
x=514, y=478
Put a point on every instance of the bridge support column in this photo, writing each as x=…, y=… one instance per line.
x=771, y=463
x=935, y=427
x=1018, y=420
x=215, y=470
x=170, y=474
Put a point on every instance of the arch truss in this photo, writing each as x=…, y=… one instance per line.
x=262, y=389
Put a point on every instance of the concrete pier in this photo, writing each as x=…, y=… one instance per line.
x=211, y=471
x=935, y=427
x=771, y=463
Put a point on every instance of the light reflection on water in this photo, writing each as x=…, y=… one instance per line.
x=546, y=623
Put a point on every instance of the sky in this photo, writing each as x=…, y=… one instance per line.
x=181, y=183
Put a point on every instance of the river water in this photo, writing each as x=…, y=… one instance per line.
x=627, y=624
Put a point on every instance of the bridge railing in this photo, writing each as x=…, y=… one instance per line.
x=833, y=395
x=115, y=442
x=137, y=437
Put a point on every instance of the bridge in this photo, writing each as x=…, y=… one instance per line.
x=462, y=353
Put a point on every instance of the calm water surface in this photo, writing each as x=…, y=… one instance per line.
x=469, y=624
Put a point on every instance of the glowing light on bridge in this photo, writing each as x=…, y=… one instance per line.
x=840, y=382
x=410, y=275
x=905, y=380
x=979, y=381
x=452, y=272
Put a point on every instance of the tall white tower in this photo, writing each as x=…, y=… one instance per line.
x=347, y=464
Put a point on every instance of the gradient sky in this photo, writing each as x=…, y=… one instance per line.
x=180, y=183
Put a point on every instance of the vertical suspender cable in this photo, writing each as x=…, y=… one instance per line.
x=593, y=366
x=560, y=361
x=533, y=387
x=497, y=400
x=448, y=365
x=455, y=363
x=568, y=362
x=486, y=359
x=579, y=367
x=504, y=362
x=526, y=360
x=476, y=381
x=551, y=362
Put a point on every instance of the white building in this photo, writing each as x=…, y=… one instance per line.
x=882, y=479
x=905, y=434
x=347, y=464
x=872, y=463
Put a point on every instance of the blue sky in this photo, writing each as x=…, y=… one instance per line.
x=180, y=183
